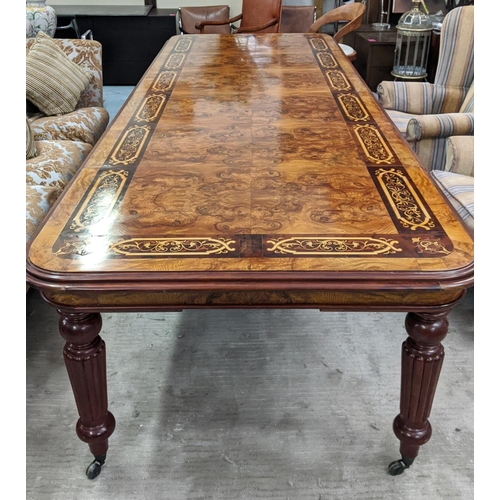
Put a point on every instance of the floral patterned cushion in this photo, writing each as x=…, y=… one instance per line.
x=39, y=199
x=56, y=163
x=84, y=125
x=54, y=83
x=30, y=142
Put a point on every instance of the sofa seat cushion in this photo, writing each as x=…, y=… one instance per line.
x=459, y=189
x=400, y=119
x=83, y=125
x=30, y=141
x=54, y=83
x=39, y=199
x=56, y=163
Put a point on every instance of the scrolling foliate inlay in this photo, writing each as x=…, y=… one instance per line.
x=164, y=81
x=337, y=246
x=72, y=248
x=130, y=146
x=150, y=109
x=338, y=80
x=404, y=200
x=100, y=200
x=327, y=60
x=318, y=43
x=175, y=61
x=353, y=107
x=184, y=44
x=173, y=246
x=373, y=145
x=430, y=246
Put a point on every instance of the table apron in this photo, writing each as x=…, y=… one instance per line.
x=352, y=300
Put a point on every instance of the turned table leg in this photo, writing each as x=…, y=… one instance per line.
x=85, y=359
x=422, y=358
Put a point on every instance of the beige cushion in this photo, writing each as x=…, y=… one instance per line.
x=83, y=125
x=459, y=189
x=400, y=119
x=39, y=199
x=30, y=141
x=54, y=83
x=460, y=154
x=56, y=163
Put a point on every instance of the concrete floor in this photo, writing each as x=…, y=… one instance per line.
x=241, y=404
x=114, y=97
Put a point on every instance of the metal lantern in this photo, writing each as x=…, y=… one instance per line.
x=413, y=41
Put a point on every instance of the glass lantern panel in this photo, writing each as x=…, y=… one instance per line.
x=411, y=54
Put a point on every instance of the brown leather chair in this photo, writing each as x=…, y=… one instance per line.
x=189, y=16
x=352, y=13
x=257, y=16
x=297, y=18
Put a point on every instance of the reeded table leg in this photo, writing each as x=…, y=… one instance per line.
x=85, y=358
x=422, y=358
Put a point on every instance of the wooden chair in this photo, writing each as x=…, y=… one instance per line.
x=353, y=14
x=257, y=16
x=190, y=16
x=297, y=18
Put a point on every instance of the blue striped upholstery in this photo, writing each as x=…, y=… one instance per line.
x=456, y=49
x=468, y=104
x=459, y=189
x=432, y=108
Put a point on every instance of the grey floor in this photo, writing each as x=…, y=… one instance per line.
x=114, y=97
x=241, y=405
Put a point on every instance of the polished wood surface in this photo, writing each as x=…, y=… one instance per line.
x=252, y=171
x=284, y=163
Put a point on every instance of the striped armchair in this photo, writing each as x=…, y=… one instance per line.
x=428, y=113
x=456, y=180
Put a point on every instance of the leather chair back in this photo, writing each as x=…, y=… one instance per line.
x=189, y=16
x=259, y=12
x=297, y=18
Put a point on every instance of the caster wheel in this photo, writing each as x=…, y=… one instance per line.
x=93, y=470
x=398, y=466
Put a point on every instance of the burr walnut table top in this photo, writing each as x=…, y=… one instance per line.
x=252, y=164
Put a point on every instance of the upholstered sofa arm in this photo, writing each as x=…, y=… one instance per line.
x=420, y=98
x=444, y=125
x=460, y=154
x=88, y=55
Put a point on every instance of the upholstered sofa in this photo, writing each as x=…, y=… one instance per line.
x=59, y=138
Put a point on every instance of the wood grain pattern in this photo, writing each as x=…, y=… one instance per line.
x=273, y=136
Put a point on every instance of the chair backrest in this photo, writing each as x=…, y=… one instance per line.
x=455, y=67
x=352, y=13
x=468, y=103
x=297, y=18
x=260, y=12
x=189, y=16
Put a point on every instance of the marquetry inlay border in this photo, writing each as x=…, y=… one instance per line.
x=418, y=232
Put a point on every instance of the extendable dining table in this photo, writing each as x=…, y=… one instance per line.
x=252, y=171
